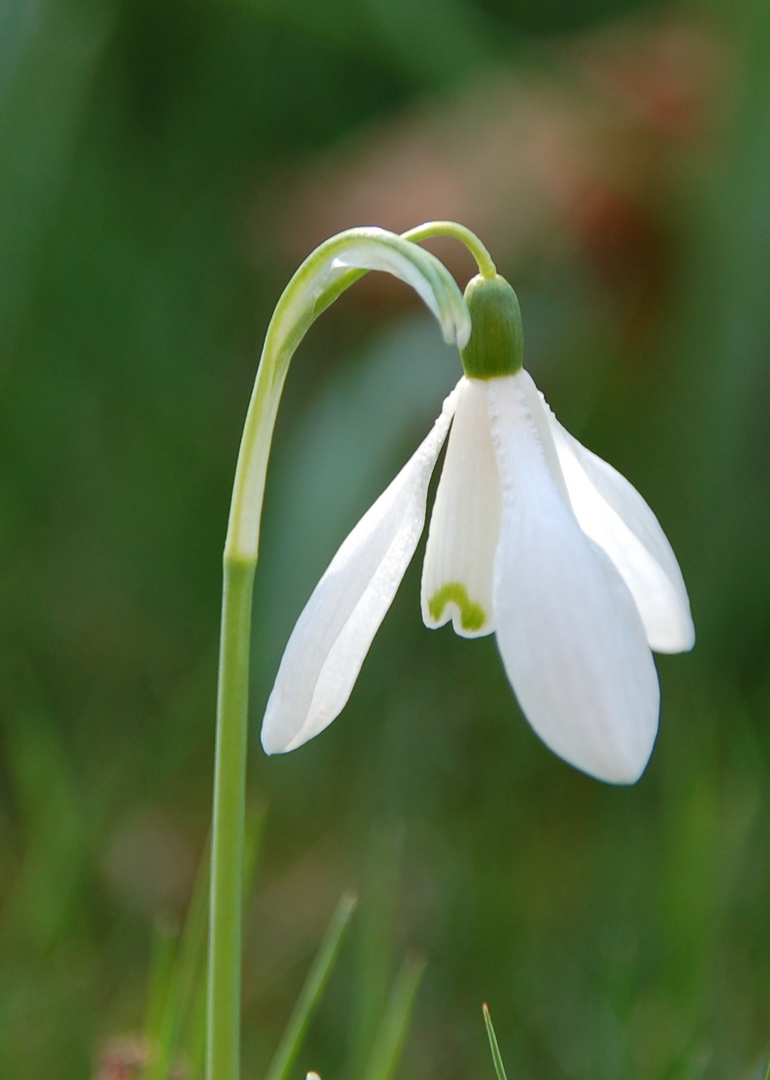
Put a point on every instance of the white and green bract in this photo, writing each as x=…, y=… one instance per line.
x=323, y=276
x=533, y=538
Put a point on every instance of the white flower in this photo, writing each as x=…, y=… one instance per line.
x=533, y=538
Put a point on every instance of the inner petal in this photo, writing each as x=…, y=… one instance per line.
x=458, y=571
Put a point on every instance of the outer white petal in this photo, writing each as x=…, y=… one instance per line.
x=465, y=524
x=569, y=632
x=332, y=636
x=613, y=513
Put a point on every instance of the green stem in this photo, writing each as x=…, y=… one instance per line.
x=458, y=232
x=312, y=289
x=224, y=978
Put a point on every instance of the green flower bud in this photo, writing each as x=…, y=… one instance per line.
x=496, y=344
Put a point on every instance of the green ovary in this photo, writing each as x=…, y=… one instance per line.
x=472, y=616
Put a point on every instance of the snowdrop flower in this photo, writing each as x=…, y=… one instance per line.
x=532, y=538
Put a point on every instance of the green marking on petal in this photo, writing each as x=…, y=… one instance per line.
x=472, y=616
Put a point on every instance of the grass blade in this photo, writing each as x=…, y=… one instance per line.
x=176, y=1012
x=165, y=942
x=395, y=1023
x=375, y=932
x=184, y=977
x=315, y=983
x=496, y=1057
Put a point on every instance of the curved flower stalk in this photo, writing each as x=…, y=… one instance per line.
x=532, y=537
x=333, y=267
x=324, y=275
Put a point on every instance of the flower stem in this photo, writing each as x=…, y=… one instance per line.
x=459, y=232
x=315, y=285
x=224, y=981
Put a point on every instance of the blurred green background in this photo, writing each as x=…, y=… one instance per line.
x=164, y=166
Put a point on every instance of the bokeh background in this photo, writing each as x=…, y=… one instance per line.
x=164, y=166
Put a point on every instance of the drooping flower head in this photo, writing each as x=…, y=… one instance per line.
x=533, y=538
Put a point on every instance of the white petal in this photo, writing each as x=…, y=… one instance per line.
x=613, y=513
x=569, y=632
x=465, y=524
x=332, y=636
x=540, y=414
